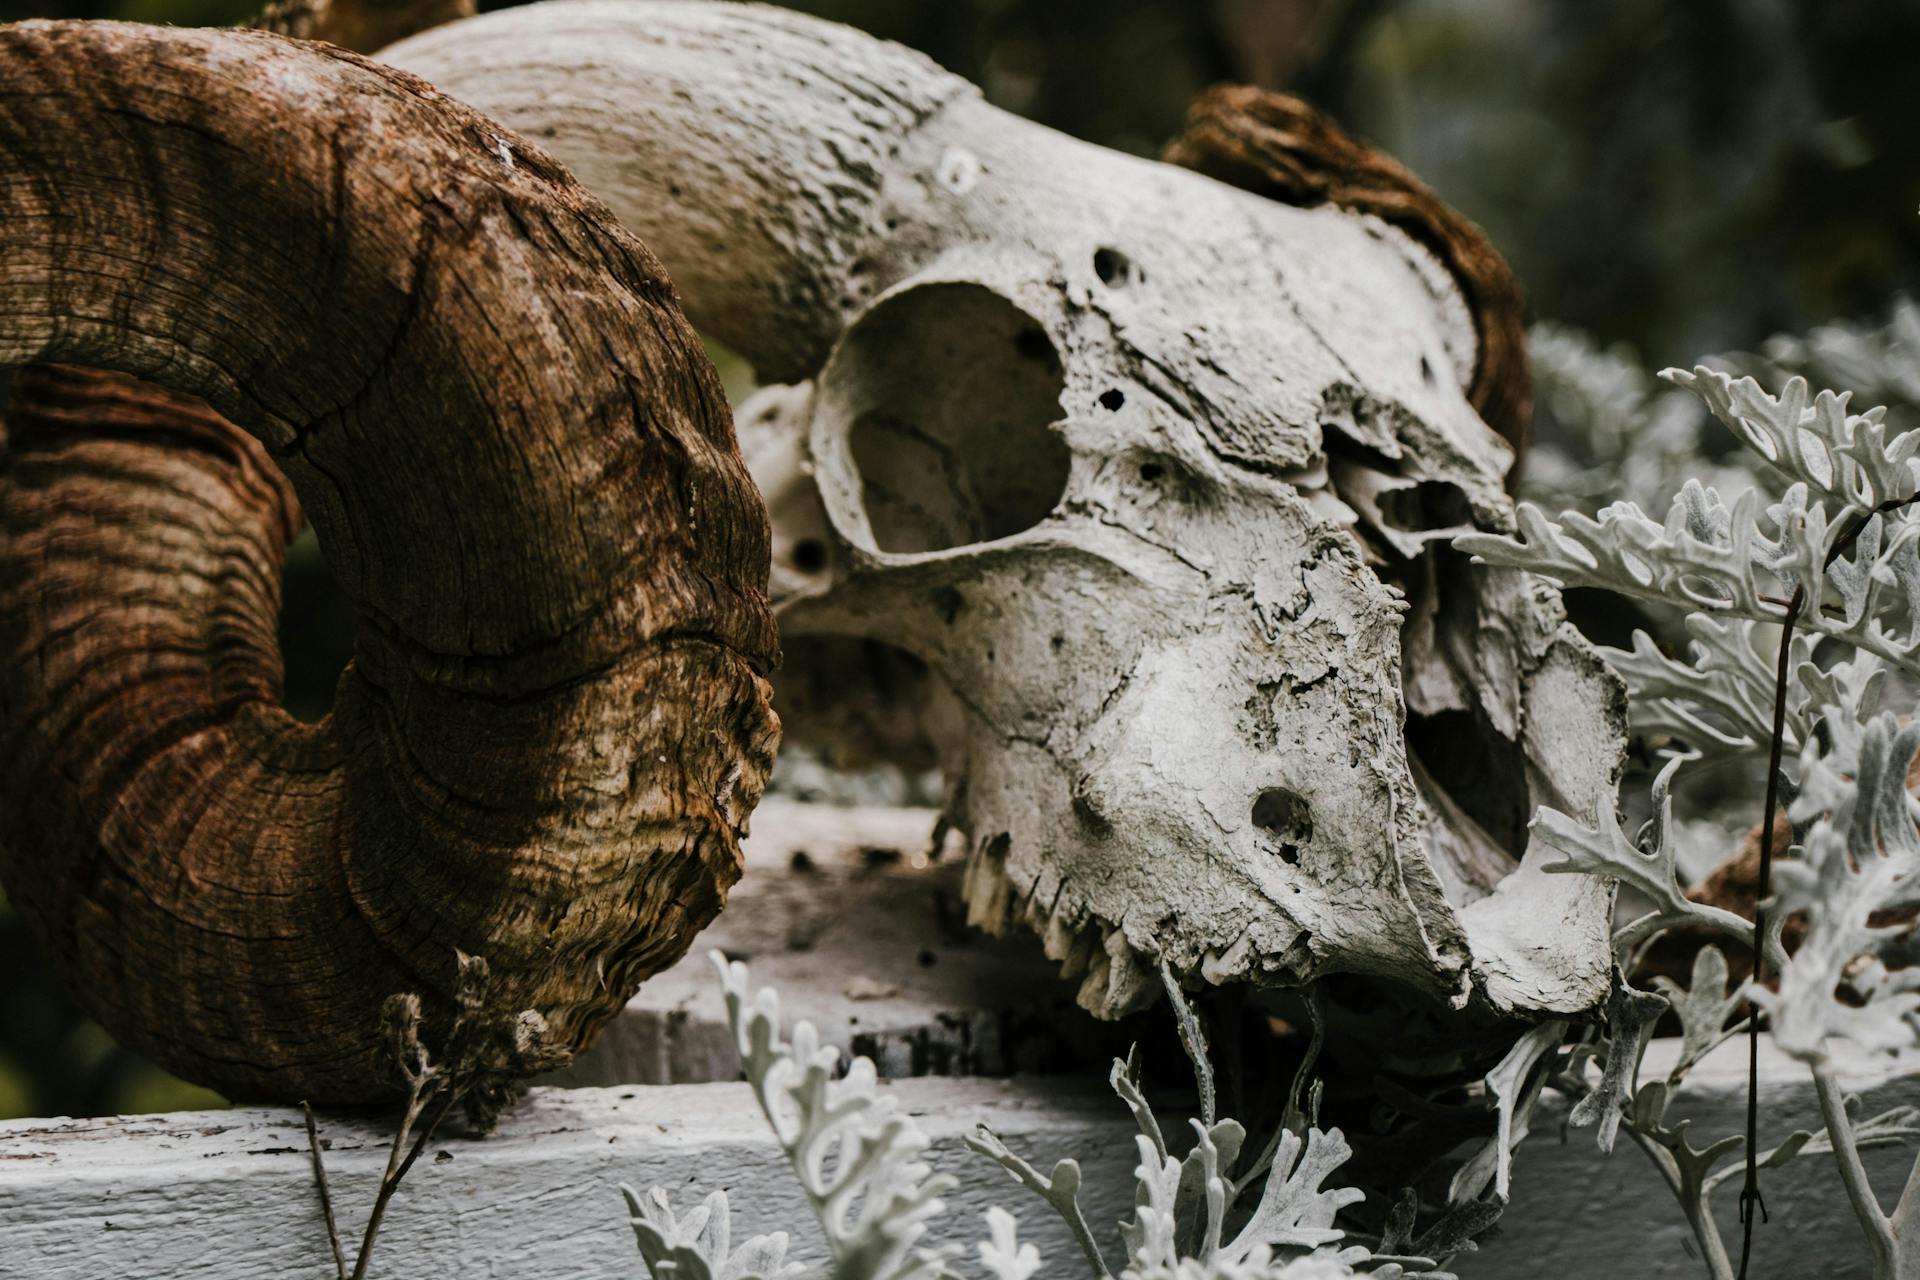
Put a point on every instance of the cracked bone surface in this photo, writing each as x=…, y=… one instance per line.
x=1152, y=476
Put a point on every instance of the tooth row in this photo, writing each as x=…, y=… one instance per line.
x=988, y=891
x=1115, y=978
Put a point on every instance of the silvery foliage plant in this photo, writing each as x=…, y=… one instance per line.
x=859, y=1163
x=1834, y=540
x=1617, y=431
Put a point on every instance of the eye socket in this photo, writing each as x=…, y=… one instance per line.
x=948, y=393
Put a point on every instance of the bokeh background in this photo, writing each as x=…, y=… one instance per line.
x=1671, y=178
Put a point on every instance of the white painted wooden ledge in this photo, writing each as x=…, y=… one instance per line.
x=229, y=1194
x=863, y=936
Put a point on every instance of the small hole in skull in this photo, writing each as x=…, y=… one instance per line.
x=1287, y=816
x=810, y=555
x=1114, y=268
x=1426, y=371
x=1112, y=399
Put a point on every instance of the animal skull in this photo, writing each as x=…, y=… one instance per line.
x=1156, y=477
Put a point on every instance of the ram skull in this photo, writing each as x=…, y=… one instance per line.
x=1155, y=477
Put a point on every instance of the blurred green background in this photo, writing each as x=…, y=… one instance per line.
x=1680, y=176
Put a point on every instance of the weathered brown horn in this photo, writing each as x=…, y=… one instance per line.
x=520, y=465
x=1277, y=146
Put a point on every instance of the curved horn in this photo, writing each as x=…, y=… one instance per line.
x=520, y=466
x=786, y=126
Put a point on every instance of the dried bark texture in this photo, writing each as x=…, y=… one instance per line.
x=1275, y=145
x=1154, y=479
x=519, y=464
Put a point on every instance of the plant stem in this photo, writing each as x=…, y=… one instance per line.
x=1750, y=1198
x=1905, y=1213
x=397, y=1169
x=1083, y=1236
x=1699, y=1212
x=326, y=1198
x=1853, y=1174
x=1750, y=1191
x=1707, y=1232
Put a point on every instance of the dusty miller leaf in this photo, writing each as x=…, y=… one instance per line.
x=1719, y=700
x=1687, y=1167
x=1513, y=1084
x=1630, y=1018
x=856, y=1157
x=1841, y=456
x=1861, y=856
x=1060, y=1189
x=1706, y=555
x=1703, y=1008
x=1001, y=1253
x=1650, y=865
x=698, y=1246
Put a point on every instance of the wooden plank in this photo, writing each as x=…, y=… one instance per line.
x=228, y=1195
x=846, y=913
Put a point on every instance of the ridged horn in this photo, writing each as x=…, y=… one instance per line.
x=520, y=466
x=749, y=146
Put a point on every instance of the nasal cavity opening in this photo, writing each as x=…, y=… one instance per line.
x=950, y=393
x=1482, y=773
x=316, y=631
x=1287, y=817
x=1430, y=504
